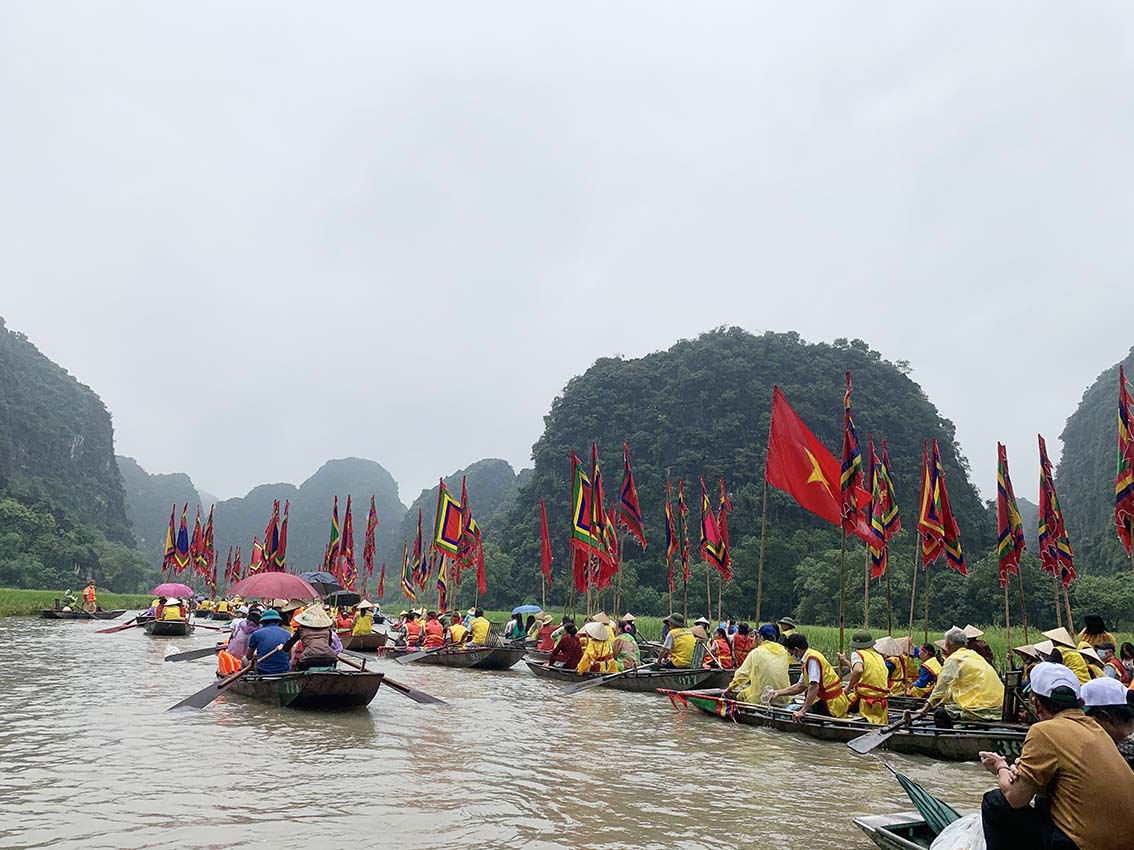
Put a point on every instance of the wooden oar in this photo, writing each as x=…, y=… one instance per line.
x=195, y=653
x=210, y=628
x=140, y=620
x=404, y=690
x=206, y=695
x=602, y=680
x=406, y=659
x=865, y=743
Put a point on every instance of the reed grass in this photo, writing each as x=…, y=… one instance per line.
x=15, y=602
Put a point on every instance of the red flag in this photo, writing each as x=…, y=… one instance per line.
x=382, y=582
x=368, y=545
x=802, y=467
x=850, y=473
x=1124, y=476
x=712, y=544
x=419, y=568
x=671, y=542
x=683, y=529
x=579, y=569
x=257, y=556
x=629, y=511
x=272, y=537
x=228, y=568
x=936, y=524
x=236, y=566
x=281, y=549
x=545, y=543
x=197, y=546
x=346, y=549
x=1055, y=547
x=598, y=511
x=481, y=575
x=169, y=559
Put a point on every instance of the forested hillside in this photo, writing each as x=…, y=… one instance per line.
x=1085, y=478
x=62, y=505
x=703, y=408
x=149, y=498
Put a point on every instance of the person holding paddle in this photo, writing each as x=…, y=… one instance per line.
x=265, y=639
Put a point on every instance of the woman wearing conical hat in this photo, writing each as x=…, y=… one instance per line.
x=314, y=643
x=598, y=654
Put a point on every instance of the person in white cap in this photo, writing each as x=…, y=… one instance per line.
x=1086, y=790
x=1111, y=705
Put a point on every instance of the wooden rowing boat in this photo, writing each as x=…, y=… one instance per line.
x=56, y=614
x=221, y=616
x=901, y=831
x=168, y=628
x=476, y=658
x=639, y=681
x=202, y=613
x=962, y=743
x=328, y=690
x=362, y=643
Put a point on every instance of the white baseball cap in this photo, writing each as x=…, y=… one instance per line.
x=1046, y=677
x=1103, y=691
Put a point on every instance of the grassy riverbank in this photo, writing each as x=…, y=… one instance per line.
x=26, y=603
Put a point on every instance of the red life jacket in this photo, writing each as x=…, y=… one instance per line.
x=741, y=646
x=413, y=632
x=1120, y=669
x=434, y=634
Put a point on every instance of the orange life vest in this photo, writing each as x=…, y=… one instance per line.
x=88, y=594
x=434, y=634
x=413, y=632
x=344, y=621
x=741, y=646
x=722, y=651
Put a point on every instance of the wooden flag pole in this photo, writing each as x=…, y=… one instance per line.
x=843, y=591
x=1067, y=603
x=926, y=639
x=1058, y=611
x=889, y=607
x=708, y=592
x=913, y=585
x=542, y=591
x=685, y=589
x=720, y=591
x=866, y=593
x=763, y=534
x=1023, y=605
x=1007, y=622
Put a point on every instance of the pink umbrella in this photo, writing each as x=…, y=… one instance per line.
x=274, y=586
x=172, y=588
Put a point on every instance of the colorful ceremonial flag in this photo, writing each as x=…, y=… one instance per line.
x=544, y=543
x=368, y=545
x=211, y=545
x=801, y=466
x=1009, y=525
x=169, y=559
x=937, y=524
x=407, y=574
x=850, y=480
x=599, y=514
x=608, y=566
x=629, y=511
x=447, y=532
x=582, y=511
x=382, y=581
x=891, y=521
x=481, y=574
x=331, y=556
x=1055, y=547
x=257, y=561
x=281, y=547
x=228, y=568
x=879, y=551
x=1124, y=477
x=420, y=571
x=442, y=584
x=181, y=554
x=197, y=547
x=725, y=503
x=470, y=532
x=683, y=529
x=671, y=547
x=236, y=566
x=713, y=550
x=272, y=537
x=347, y=570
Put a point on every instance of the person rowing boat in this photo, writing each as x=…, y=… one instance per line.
x=819, y=683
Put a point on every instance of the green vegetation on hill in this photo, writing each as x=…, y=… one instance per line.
x=148, y=500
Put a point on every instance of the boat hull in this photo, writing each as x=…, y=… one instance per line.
x=962, y=743
x=901, y=831
x=325, y=690
x=168, y=628
x=221, y=616
x=477, y=658
x=362, y=643
x=54, y=614
x=642, y=681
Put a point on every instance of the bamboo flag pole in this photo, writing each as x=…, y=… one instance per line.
x=1067, y=602
x=1023, y=605
x=866, y=593
x=1058, y=611
x=843, y=591
x=926, y=639
x=913, y=585
x=889, y=607
x=720, y=591
x=708, y=591
x=763, y=534
x=1007, y=622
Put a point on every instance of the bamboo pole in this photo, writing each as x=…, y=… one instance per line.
x=1007, y=623
x=1058, y=612
x=843, y=591
x=913, y=585
x=1067, y=602
x=542, y=590
x=866, y=593
x=926, y=640
x=685, y=590
x=760, y=565
x=889, y=606
x=720, y=591
x=1023, y=606
x=708, y=592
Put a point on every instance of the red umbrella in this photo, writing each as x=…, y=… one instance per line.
x=172, y=588
x=274, y=586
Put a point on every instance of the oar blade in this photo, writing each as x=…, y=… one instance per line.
x=121, y=628
x=865, y=743
x=193, y=653
x=413, y=693
x=200, y=699
x=408, y=659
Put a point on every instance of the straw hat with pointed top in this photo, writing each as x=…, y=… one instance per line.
x=1089, y=653
x=364, y=604
x=940, y=644
x=597, y=631
x=700, y=633
x=1061, y=637
x=315, y=617
x=702, y=621
x=1027, y=649
x=600, y=617
x=628, y=617
x=545, y=619
x=1044, y=647
x=972, y=631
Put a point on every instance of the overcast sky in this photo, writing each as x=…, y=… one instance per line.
x=270, y=234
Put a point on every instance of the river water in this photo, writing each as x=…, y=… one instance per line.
x=90, y=758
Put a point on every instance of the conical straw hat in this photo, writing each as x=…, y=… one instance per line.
x=1061, y=637
x=972, y=631
x=315, y=618
x=598, y=631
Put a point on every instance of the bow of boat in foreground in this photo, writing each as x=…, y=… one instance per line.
x=901, y=831
x=327, y=690
x=168, y=628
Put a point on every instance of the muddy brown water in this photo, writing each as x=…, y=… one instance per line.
x=90, y=758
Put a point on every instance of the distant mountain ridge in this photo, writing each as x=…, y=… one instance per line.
x=148, y=501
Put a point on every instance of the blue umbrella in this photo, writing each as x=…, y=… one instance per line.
x=323, y=582
x=526, y=609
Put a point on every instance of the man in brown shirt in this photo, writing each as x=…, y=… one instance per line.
x=1086, y=790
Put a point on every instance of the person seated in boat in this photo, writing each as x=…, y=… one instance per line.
x=315, y=643
x=456, y=634
x=1070, y=655
x=967, y=688
x=433, y=633
x=544, y=641
x=928, y=672
x=270, y=635
x=343, y=619
x=244, y=629
x=515, y=629
x=531, y=627
x=820, y=685
x=1111, y=705
x=598, y=654
x=1112, y=668
x=1095, y=631
x=90, y=604
x=568, y=652
x=172, y=610
x=787, y=627
x=742, y=644
x=627, y=654
x=869, y=685
x=765, y=667
x=222, y=606
x=363, y=622
x=413, y=629
x=677, y=648
x=479, y=628
x=720, y=651
x=629, y=619
x=1085, y=787
x=559, y=632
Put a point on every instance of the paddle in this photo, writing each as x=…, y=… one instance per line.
x=140, y=620
x=195, y=653
x=404, y=690
x=210, y=628
x=602, y=680
x=865, y=743
x=206, y=695
x=406, y=659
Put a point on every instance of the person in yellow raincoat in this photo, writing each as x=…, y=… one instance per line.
x=598, y=656
x=363, y=623
x=869, y=684
x=1073, y=654
x=765, y=666
x=968, y=688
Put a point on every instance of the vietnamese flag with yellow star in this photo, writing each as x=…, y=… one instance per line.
x=800, y=465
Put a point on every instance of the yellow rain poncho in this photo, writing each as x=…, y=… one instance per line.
x=765, y=667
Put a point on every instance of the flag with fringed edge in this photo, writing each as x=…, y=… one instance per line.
x=629, y=510
x=1010, y=526
x=850, y=480
x=1056, y=556
x=1124, y=475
